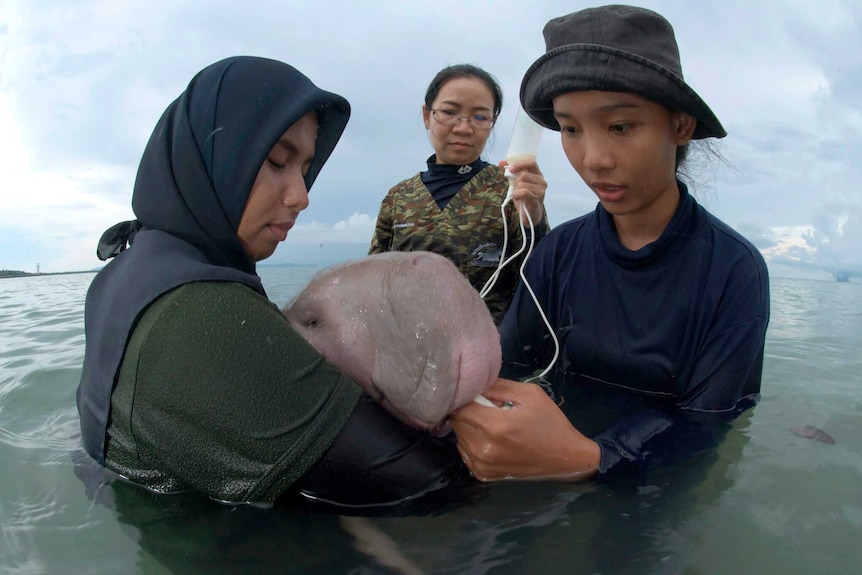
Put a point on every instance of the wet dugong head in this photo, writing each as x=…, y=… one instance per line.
x=407, y=327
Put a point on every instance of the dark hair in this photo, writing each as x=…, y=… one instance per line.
x=464, y=71
x=681, y=156
x=697, y=163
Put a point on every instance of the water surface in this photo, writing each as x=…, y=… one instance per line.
x=766, y=501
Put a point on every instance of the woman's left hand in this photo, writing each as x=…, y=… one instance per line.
x=526, y=437
x=529, y=191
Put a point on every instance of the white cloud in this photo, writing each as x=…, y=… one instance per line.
x=82, y=85
x=356, y=229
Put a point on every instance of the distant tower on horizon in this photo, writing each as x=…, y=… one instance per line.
x=37, y=268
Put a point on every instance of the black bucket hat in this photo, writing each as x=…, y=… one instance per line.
x=615, y=49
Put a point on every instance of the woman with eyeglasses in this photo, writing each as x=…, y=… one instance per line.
x=454, y=207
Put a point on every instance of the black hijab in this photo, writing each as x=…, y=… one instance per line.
x=192, y=185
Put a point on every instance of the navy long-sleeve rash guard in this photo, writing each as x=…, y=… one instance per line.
x=683, y=319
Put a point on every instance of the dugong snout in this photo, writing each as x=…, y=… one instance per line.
x=407, y=327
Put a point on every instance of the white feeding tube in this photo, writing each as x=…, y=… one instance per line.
x=524, y=145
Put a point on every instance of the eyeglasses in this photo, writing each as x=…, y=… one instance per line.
x=450, y=118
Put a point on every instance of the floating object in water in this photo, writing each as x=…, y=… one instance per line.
x=813, y=433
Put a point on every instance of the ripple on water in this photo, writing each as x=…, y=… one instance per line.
x=771, y=502
x=33, y=404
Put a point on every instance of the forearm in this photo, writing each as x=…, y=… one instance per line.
x=652, y=437
x=376, y=460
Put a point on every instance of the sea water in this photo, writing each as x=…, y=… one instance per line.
x=766, y=501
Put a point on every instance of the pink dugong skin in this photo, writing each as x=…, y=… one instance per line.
x=407, y=327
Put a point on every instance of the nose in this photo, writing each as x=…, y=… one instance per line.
x=597, y=153
x=295, y=193
x=463, y=124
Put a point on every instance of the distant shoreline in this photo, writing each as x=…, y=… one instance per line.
x=4, y=274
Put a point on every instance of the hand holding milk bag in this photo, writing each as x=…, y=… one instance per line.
x=524, y=145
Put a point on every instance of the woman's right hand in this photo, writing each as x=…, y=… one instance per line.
x=531, y=439
x=529, y=191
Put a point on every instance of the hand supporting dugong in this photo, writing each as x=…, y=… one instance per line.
x=406, y=326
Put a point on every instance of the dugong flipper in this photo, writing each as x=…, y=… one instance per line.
x=407, y=327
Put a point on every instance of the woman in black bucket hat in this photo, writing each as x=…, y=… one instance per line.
x=652, y=299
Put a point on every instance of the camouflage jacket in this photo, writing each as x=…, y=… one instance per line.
x=469, y=230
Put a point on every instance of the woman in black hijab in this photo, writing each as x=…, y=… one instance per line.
x=192, y=378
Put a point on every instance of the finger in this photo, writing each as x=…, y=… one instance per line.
x=527, y=394
x=483, y=421
x=527, y=194
x=529, y=190
x=470, y=439
x=503, y=383
x=525, y=164
x=471, y=465
x=528, y=179
x=465, y=455
x=504, y=389
x=469, y=415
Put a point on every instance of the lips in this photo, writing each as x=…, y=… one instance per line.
x=608, y=192
x=280, y=230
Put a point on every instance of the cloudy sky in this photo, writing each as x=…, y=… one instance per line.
x=83, y=82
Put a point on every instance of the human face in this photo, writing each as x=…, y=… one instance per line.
x=460, y=143
x=624, y=147
x=279, y=192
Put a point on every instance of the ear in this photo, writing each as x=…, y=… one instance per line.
x=683, y=126
x=426, y=117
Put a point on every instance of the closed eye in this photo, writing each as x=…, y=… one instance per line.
x=275, y=164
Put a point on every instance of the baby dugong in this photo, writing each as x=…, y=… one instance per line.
x=407, y=327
